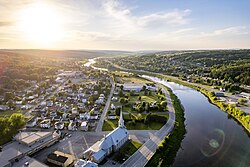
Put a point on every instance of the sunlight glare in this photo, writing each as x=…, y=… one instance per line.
x=41, y=24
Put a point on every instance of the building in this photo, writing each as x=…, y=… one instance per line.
x=60, y=158
x=245, y=95
x=110, y=143
x=132, y=87
x=84, y=126
x=45, y=123
x=32, y=123
x=72, y=126
x=16, y=153
x=219, y=94
x=83, y=163
x=59, y=125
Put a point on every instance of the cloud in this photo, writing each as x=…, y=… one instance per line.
x=236, y=30
x=125, y=14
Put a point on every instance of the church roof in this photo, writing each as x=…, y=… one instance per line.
x=113, y=138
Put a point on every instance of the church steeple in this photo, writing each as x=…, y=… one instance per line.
x=121, y=121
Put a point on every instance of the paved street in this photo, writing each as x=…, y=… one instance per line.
x=147, y=150
x=81, y=141
x=105, y=110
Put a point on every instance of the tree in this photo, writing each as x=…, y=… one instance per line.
x=117, y=111
x=17, y=121
x=163, y=104
x=242, y=101
x=11, y=103
x=8, y=96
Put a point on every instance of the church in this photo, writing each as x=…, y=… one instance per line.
x=110, y=143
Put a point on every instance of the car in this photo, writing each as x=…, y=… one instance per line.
x=69, y=135
x=113, y=163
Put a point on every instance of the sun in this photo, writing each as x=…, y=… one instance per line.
x=41, y=24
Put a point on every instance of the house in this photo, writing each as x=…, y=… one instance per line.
x=114, y=99
x=43, y=103
x=59, y=125
x=49, y=103
x=112, y=106
x=85, y=116
x=83, y=163
x=45, y=124
x=219, y=94
x=60, y=159
x=53, y=114
x=32, y=123
x=94, y=116
x=110, y=143
x=245, y=95
x=84, y=126
x=112, y=116
x=84, y=100
x=3, y=107
x=74, y=111
x=19, y=102
x=72, y=126
x=57, y=118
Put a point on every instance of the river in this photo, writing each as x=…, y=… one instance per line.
x=212, y=139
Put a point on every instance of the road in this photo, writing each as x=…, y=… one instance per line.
x=147, y=150
x=105, y=110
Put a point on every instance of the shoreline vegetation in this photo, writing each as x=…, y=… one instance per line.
x=167, y=150
x=230, y=109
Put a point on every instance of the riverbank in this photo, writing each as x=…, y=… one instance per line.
x=167, y=150
x=230, y=109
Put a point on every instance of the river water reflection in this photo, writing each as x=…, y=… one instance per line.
x=212, y=139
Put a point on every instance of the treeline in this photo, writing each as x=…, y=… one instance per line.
x=232, y=66
x=166, y=152
x=232, y=110
x=10, y=126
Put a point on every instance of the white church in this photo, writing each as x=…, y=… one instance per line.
x=110, y=143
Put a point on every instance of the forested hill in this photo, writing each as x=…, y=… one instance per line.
x=229, y=66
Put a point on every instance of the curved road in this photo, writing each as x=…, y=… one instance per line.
x=146, y=151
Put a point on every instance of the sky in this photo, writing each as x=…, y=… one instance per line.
x=125, y=24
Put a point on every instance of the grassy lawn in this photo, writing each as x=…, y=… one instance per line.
x=110, y=125
x=127, y=150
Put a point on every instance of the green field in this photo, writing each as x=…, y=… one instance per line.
x=110, y=125
x=127, y=150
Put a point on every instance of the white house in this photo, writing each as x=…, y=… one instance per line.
x=84, y=126
x=59, y=125
x=110, y=143
x=85, y=116
x=45, y=123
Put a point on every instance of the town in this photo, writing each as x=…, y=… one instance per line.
x=87, y=117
